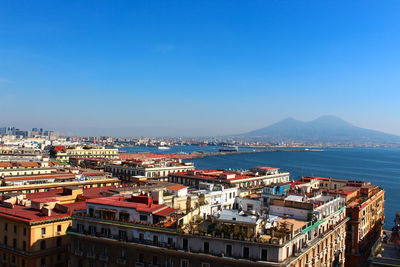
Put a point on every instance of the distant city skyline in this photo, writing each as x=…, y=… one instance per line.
x=197, y=68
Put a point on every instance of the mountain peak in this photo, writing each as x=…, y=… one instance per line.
x=330, y=119
x=326, y=128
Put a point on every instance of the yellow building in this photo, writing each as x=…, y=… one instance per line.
x=33, y=227
x=64, y=153
x=32, y=239
x=17, y=168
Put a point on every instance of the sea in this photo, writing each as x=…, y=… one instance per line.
x=380, y=166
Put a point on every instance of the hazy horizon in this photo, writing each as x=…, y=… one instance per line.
x=152, y=131
x=197, y=68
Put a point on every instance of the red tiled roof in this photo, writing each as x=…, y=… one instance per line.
x=177, y=187
x=118, y=201
x=93, y=192
x=59, y=148
x=164, y=212
x=79, y=205
x=59, y=175
x=41, y=176
x=28, y=164
x=22, y=213
x=5, y=164
x=44, y=200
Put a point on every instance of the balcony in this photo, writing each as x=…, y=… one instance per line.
x=91, y=255
x=78, y=252
x=121, y=261
x=103, y=257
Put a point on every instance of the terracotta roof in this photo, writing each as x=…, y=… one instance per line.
x=28, y=164
x=5, y=164
x=59, y=175
x=118, y=201
x=22, y=213
x=164, y=212
x=177, y=187
x=93, y=192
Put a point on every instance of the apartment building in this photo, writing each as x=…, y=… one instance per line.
x=258, y=177
x=46, y=182
x=63, y=153
x=154, y=169
x=33, y=226
x=19, y=168
x=365, y=208
x=135, y=231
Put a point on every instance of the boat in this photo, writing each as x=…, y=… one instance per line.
x=228, y=149
x=163, y=147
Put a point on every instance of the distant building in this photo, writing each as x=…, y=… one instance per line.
x=256, y=178
x=63, y=153
x=155, y=169
x=20, y=168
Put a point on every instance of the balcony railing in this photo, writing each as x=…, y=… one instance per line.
x=78, y=252
x=121, y=261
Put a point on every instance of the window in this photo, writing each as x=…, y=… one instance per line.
x=122, y=235
x=24, y=245
x=169, y=241
x=80, y=227
x=92, y=230
x=5, y=240
x=6, y=227
x=249, y=206
x=140, y=257
x=155, y=239
x=23, y=263
x=246, y=252
x=143, y=218
x=59, y=228
x=15, y=229
x=228, y=250
x=206, y=247
x=141, y=236
x=185, y=244
x=155, y=260
x=58, y=241
x=264, y=255
x=43, y=244
x=43, y=231
x=43, y=262
x=184, y=263
x=24, y=231
x=14, y=243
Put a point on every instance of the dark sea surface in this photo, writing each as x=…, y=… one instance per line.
x=380, y=166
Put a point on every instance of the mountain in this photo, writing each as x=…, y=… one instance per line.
x=323, y=129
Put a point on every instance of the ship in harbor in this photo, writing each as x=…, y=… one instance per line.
x=163, y=147
x=228, y=149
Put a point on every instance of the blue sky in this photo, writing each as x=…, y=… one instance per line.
x=197, y=67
